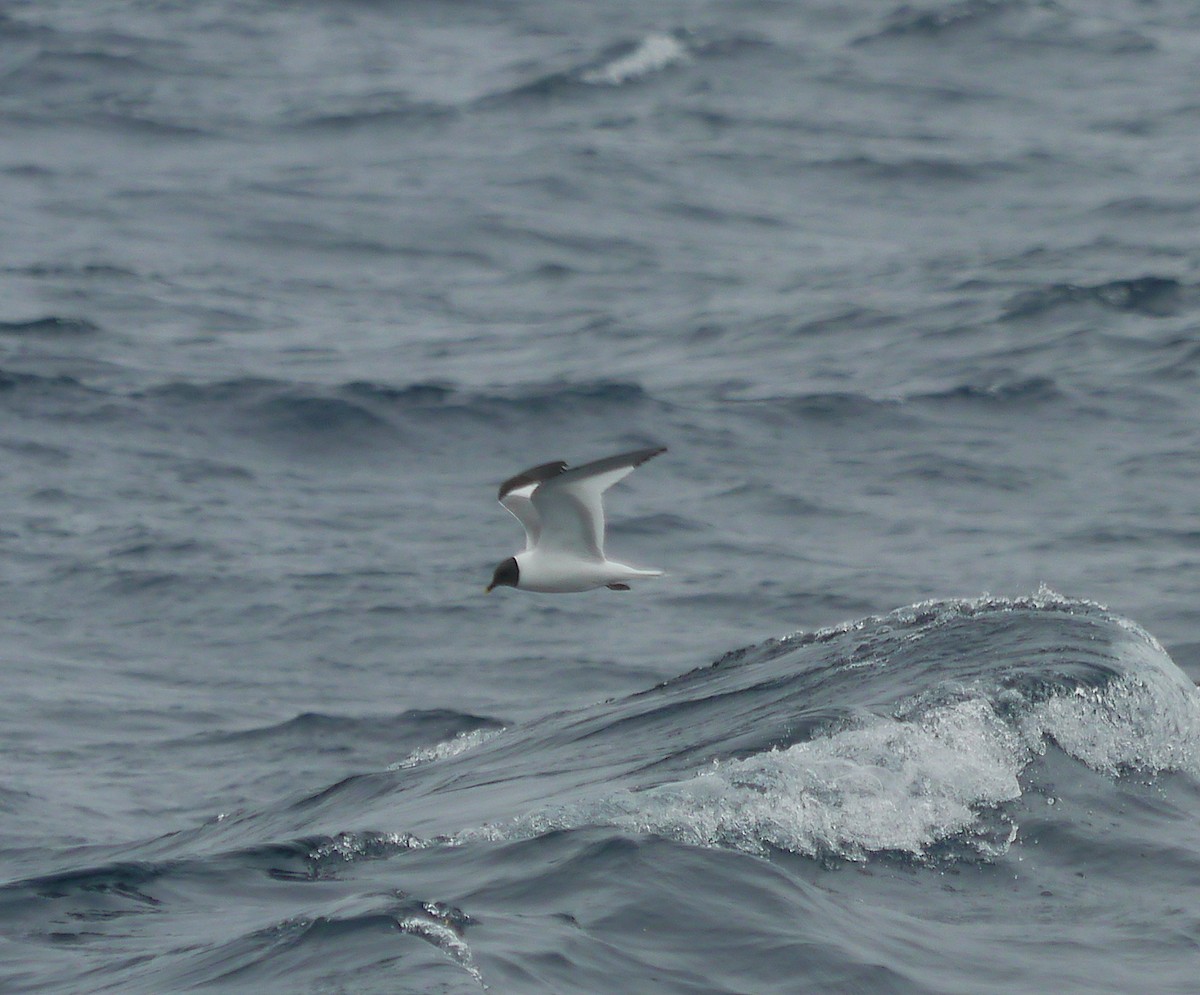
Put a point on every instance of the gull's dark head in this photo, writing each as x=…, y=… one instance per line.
x=506, y=575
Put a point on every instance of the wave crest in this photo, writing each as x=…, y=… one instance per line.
x=652, y=54
x=922, y=727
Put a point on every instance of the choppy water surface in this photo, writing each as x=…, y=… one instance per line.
x=911, y=294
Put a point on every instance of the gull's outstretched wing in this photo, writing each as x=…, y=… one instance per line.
x=515, y=495
x=570, y=507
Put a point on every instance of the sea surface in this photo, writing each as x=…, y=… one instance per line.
x=910, y=291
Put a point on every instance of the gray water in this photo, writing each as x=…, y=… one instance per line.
x=911, y=294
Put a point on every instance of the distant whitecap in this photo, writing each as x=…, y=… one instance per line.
x=653, y=53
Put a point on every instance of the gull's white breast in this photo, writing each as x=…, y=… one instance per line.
x=554, y=573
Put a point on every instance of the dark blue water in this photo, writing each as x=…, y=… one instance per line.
x=912, y=293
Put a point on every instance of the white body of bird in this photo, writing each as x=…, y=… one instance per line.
x=563, y=513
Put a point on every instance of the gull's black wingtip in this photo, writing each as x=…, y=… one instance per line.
x=534, y=475
x=630, y=460
x=635, y=457
x=547, y=471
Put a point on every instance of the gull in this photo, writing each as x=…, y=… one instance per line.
x=563, y=514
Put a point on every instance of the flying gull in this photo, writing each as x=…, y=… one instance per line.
x=563, y=514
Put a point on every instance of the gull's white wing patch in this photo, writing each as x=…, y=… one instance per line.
x=570, y=503
x=519, y=504
x=515, y=494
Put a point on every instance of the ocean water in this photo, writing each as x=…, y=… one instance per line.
x=910, y=291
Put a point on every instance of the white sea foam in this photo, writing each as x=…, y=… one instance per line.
x=889, y=786
x=1147, y=720
x=361, y=846
x=461, y=743
x=435, y=927
x=1135, y=723
x=655, y=52
x=933, y=773
x=906, y=785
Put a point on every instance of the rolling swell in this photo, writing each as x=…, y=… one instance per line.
x=1148, y=296
x=903, y=734
x=908, y=21
x=945, y=733
x=623, y=63
x=1015, y=21
x=331, y=933
x=380, y=397
x=369, y=414
x=51, y=325
x=383, y=111
x=320, y=731
x=1008, y=677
